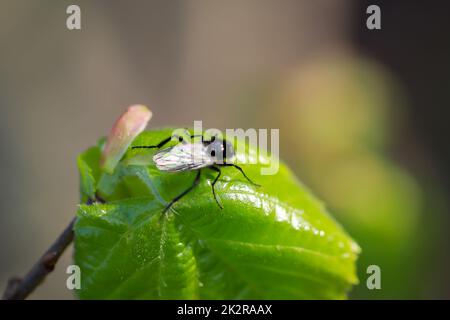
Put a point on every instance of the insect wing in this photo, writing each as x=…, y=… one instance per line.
x=183, y=157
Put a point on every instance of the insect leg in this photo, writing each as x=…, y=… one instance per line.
x=159, y=145
x=214, y=183
x=162, y=143
x=242, y=171
x=192, y=136
x=185, y=192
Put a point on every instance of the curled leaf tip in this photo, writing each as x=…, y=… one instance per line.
x=127, y=127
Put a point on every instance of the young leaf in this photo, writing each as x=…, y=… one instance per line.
x=132, y=122
x=276, y=241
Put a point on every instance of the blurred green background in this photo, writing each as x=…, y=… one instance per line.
x=362, y=114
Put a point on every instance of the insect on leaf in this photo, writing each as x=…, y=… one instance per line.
x=276, y=241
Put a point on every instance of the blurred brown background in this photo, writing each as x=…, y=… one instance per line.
x=357, y=110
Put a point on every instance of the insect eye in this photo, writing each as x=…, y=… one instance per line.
x=213, y=153
x=180, y=139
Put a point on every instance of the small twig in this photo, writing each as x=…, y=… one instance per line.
x=19, y=289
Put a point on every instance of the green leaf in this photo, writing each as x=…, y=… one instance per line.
x=272, y=242
x=88, y=173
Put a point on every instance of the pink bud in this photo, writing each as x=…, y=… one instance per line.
x=125, y=130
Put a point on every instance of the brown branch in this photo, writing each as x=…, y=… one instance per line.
x=19, y=289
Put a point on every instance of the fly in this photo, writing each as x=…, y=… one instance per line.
x=195, y=156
